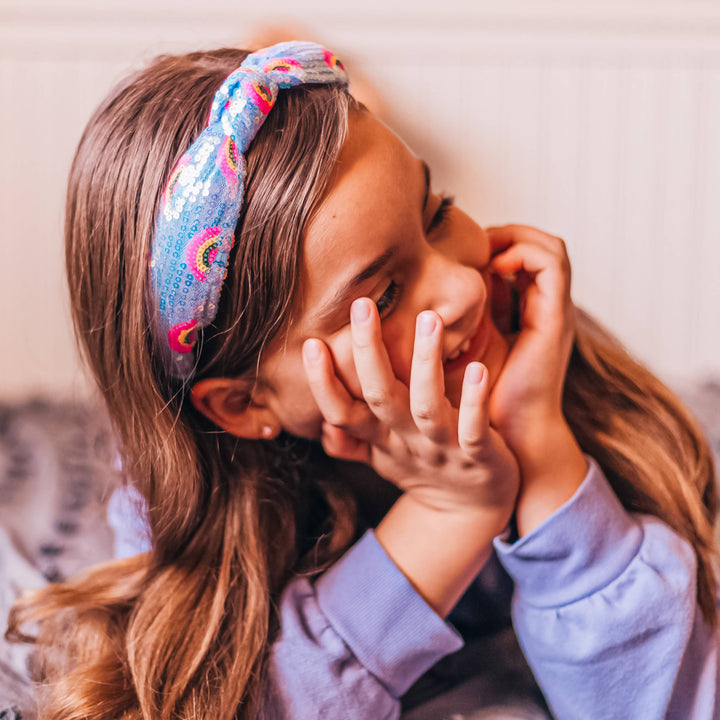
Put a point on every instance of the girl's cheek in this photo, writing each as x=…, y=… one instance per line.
x=398, y=344
x=341, y=350
x=399, y=337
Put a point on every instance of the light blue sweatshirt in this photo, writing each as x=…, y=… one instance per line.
x=604, y=607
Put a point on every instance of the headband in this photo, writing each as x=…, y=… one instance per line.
x=195, y=226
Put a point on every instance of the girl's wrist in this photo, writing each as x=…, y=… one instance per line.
x=552, y=469
x=440, y=552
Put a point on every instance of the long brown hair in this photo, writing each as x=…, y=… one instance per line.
x=183, y=631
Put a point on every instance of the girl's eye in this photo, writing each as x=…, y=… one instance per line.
x=446, y=202
x=388, y=299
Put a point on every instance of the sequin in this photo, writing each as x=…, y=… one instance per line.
x=194, y=232
x=181, y=337
x=202, y=250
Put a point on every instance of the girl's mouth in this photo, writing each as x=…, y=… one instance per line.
x=471, y=349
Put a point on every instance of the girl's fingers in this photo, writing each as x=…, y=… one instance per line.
x=532, y=258
x=473, y=414
x=340, y=444
x=385, y=395
x=551, y=276
x=428, y=405
x=499, y=239
x=502, y=237
x=335, y=403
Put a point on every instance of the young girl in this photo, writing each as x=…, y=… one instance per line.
x=266, y=285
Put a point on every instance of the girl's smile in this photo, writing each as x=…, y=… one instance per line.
x=382, y=232
x=473, y=348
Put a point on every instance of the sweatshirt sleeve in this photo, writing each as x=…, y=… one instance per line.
x=605, y=610
x=351, y=642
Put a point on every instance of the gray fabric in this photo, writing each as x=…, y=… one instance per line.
x=56, y=475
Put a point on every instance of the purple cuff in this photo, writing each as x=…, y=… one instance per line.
x=580, y=548
x=388, y=626
x=126, y=514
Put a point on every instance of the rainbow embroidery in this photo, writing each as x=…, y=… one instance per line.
x=229, y=161
x=181, y=337
x=201, y=252
x=332, y=60
x=175, y=176
x=260, y=95
x=284, y=64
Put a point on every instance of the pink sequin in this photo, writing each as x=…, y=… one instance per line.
x=332, y=60
x=284, y=64
x=260, y=95
x=181, y=337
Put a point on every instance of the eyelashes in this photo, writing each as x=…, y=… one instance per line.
x=388, y=299
x=446, y=202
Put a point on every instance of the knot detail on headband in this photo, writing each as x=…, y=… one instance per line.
x=195, y=225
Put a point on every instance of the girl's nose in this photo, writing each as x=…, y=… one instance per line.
x=458, y=293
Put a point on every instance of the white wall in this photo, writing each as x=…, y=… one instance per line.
x=598, y=121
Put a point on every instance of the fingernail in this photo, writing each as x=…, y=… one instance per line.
x=360, y=311
x=311, y=350
x=426, y=323
x=474, y=373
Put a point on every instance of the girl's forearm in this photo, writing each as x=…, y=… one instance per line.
x=439, y=551
x=550, y=474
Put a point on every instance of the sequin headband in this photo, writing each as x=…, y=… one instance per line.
x=195, y=226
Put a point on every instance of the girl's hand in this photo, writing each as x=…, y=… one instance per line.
x=447, y=459
x=526, y=400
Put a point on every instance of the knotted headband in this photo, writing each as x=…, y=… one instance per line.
x=195, y=226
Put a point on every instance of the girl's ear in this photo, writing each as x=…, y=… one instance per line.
x=233, y=405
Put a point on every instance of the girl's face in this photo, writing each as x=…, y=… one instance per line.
x=382, y=232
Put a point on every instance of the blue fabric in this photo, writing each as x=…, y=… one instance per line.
x=604, y=608
x=195, y=225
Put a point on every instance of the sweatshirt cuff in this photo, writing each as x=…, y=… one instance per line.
x=582, y=547
x=127, y=516
x=388, y=626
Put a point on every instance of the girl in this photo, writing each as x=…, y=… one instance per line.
x=266, y=285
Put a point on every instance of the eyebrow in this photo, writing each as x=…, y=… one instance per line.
x=326, y=311
x=331, y=305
